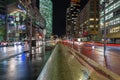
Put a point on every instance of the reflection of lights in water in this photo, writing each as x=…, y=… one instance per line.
x=80, y=43
x=99, y=50
x=19, y=58
x=4, y=62
x=23, y=57
x=12, y=67
x=4, y=50
x=15, y=47
x=18, y=48
x=27, y=54
x=93, y=47
x=40, y=50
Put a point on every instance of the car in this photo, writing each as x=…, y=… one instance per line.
x=4, y=44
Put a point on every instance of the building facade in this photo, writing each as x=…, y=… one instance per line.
x=2, y=19
x=20, y=19
x=71, y=18
x=89, y=21
x=112, y=21
x=46, y=12
x=35, y=23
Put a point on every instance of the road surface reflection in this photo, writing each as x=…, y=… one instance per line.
x=21, y=67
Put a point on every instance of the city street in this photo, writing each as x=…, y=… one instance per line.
x=17, y=65
x=83, y=36
x=6, y=52
x=95, y=52
x=111, y=61
x=66, y=63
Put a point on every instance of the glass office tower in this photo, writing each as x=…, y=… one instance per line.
x=46, y=12
x=2, y=27
x=2, y=19
x=89, y=21
x=112, y=21
x=16, y=26
x=72, y=14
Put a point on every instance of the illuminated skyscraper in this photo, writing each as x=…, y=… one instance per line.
x=71, y=18
x=46, y=12
x=112, y=20
x=2, y=27
x=2, y=19
x=89, y=21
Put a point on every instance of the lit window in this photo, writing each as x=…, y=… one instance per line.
x=115, y=29
x=97, y=19
x=91, y=19
x=91, y=26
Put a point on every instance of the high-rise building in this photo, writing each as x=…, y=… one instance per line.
x=71, y=18
x=89, y=21
x=2, y=7
x=35, y=23
x=46, y=12
x=111, y=18
x=2, y=19
x=16, y=17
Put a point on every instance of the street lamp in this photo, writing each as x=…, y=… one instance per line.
x=44, y=41
x=103, y=8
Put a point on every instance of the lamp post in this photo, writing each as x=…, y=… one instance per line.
x=103, y=8
x=44, y=41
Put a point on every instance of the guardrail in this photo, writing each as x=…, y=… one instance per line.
x=65, y=64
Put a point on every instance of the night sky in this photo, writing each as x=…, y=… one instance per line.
x=59, y=15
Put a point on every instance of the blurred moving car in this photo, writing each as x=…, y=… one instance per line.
x=3, y=44
x=9, y=43
x=18, y=43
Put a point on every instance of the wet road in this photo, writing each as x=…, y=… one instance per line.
x=22, y=67
x=110, y=61
x=6, y=52
x=66, y=64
